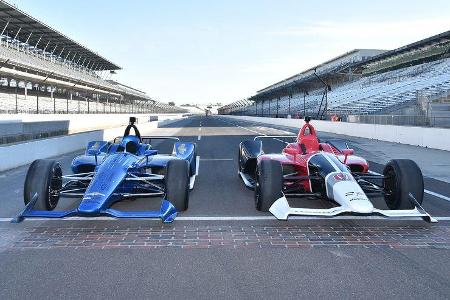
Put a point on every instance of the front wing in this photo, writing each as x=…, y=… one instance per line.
x=167, y=213
x=281, y=210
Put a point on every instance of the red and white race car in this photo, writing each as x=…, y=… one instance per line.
x=308, y=168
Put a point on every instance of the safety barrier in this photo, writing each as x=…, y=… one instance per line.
x=20, y=154
x=436, y=138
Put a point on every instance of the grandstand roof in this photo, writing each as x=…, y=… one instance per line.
x=125, y=86
x=35, y=33
x=407, y=48
x=306, y=80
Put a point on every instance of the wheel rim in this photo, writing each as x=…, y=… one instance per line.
x=389, y=186
x=257, y=190
x=239, y=161
x=54, y=187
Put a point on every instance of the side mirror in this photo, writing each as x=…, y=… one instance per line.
x=290, y=151
x=149, y=152
x=93, y=152
x=346, y=153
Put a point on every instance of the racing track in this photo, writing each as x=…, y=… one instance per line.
x=348, y=256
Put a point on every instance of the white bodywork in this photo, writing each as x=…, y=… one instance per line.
x=343, y=188
x=281, y=210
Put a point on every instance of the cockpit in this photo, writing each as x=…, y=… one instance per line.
x=130, y=143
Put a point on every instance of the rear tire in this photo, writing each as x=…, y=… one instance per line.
x=177, y=183
x=269, y=184
x=44, y=177
x=402, y=176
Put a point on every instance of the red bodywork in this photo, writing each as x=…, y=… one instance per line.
x=294, y=159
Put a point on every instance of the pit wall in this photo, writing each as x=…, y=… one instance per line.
x=71, y=123
x=429, y=137
x=16, y=155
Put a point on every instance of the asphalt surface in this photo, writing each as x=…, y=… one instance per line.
x=52, y=269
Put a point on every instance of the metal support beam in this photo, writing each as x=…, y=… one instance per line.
x=54, y=100
x=60, y=53
x=304, y=104
x=4, y=28
x=37, y=100
x=278, y=99
x=65, y=58
x=45, y=48
x=35, y=46
x=20, y=28
x=289, y=104
x=26, y=42
x=17, y=106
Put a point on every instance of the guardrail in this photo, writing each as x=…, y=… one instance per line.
x=402, y=120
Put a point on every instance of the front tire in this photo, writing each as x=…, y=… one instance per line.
x=401, y=177
x=269, y=184
x=44, y=178
x=177, y=183
x=193, y=167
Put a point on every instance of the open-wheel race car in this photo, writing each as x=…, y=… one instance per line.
x=108, y=172
x=310, y=169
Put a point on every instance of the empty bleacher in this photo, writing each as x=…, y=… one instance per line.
x=60, y=74
x=369, y=95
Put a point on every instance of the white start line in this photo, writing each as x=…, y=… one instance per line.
x=235, y=218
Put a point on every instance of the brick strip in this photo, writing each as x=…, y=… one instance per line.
x=251, y=236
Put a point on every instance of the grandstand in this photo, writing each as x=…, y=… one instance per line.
x=44, y=71
x=413, y=80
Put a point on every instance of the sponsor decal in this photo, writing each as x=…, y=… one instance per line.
x=93, y=195
x=359, y=196
x=342, y=177
x=182, y=148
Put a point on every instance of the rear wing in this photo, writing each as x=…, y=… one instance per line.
x=148, y=139
x=275, y=137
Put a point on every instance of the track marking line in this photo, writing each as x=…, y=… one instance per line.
x=197, y=164
x=425, y=190
x=231, y=218
x=437, y=195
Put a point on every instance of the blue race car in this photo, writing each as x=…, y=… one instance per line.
x=127, y=167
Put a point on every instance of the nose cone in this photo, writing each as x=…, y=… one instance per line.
x=361, y=206
x=349, y=194
x=91, y=203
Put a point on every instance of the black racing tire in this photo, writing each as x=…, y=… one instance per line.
x=269, y=184
x=193, y=166
x=177, y=183
x=239, y=162
x=44, y=177
x=401, y=177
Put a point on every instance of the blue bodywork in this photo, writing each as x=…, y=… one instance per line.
x=111, y=171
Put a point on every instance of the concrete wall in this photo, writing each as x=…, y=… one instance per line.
x=430, y=137
x=15, y=155
x=73, y=123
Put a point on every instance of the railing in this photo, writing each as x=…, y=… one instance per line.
x=405, y=120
